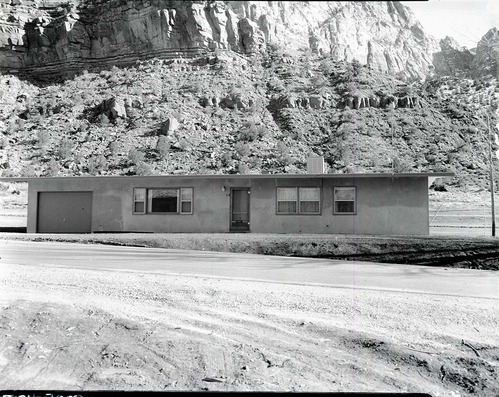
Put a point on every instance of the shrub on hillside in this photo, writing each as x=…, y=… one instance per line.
x=143, y=168
x=114, y=147
x=353, y=70
x=43, y=138
x=28, y=171
x=163, y=147
x=103, y=119
x=52, y=168
x=275, y=84
x=196, y=87
x=401, y=165
x=135, y=156
x=3, y=142
x=226, y=159
x=242, y=149
x=252, y=131
x=243, y=168
x=65, y=148
x=184, y=145
x=96, y=164
x=283, y=155
x=348, y=116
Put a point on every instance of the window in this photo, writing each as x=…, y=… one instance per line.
x=344, y=200
x=186, y=200
x=287, y=198
x=139, y=201
x=310, y=200
x=303, y=200
x=162, y=200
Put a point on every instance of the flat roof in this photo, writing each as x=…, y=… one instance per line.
x=241, y=176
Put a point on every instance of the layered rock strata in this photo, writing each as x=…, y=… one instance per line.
x=53, y=37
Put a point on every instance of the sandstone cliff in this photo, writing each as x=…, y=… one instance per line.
x=486, y=61
x=53, y=37
x=452, y=59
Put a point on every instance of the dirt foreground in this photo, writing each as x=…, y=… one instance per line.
x=96, y=330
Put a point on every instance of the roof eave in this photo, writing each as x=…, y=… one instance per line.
x=242, y=176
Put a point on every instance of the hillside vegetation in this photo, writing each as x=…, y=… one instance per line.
x=227, y=113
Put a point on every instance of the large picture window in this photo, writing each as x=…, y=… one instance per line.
x=345, y=200
x=298, y=200
x=162, y=201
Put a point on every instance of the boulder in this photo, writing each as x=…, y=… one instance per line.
x=169, y=126
x=356, y=102
x=408, y=102
x=133, y=103
x=360, y=102
x=204, y=102
x=209, y=101
x=113, y=108
x=404, y=102
x=389, y=101
x=374, y=102
x=316, y=102
x=235, y=100
x=286, y=101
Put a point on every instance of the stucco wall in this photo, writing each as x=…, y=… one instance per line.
x=384, y=205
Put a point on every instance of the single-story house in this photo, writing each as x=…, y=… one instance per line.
x=383, y=204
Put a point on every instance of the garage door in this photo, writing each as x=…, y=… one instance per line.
x=64, y=212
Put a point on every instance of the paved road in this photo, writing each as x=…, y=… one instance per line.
x=423, y=279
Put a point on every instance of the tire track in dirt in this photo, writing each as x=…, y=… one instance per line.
x=133, y=331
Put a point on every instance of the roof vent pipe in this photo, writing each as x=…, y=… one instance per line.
x=315, y=165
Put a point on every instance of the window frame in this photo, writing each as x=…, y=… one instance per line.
x=277, y=200
x=191, y=189
x=298, y=200
x=354, y=200
x=144, y=201
x=147, y=204
x=149, y=201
